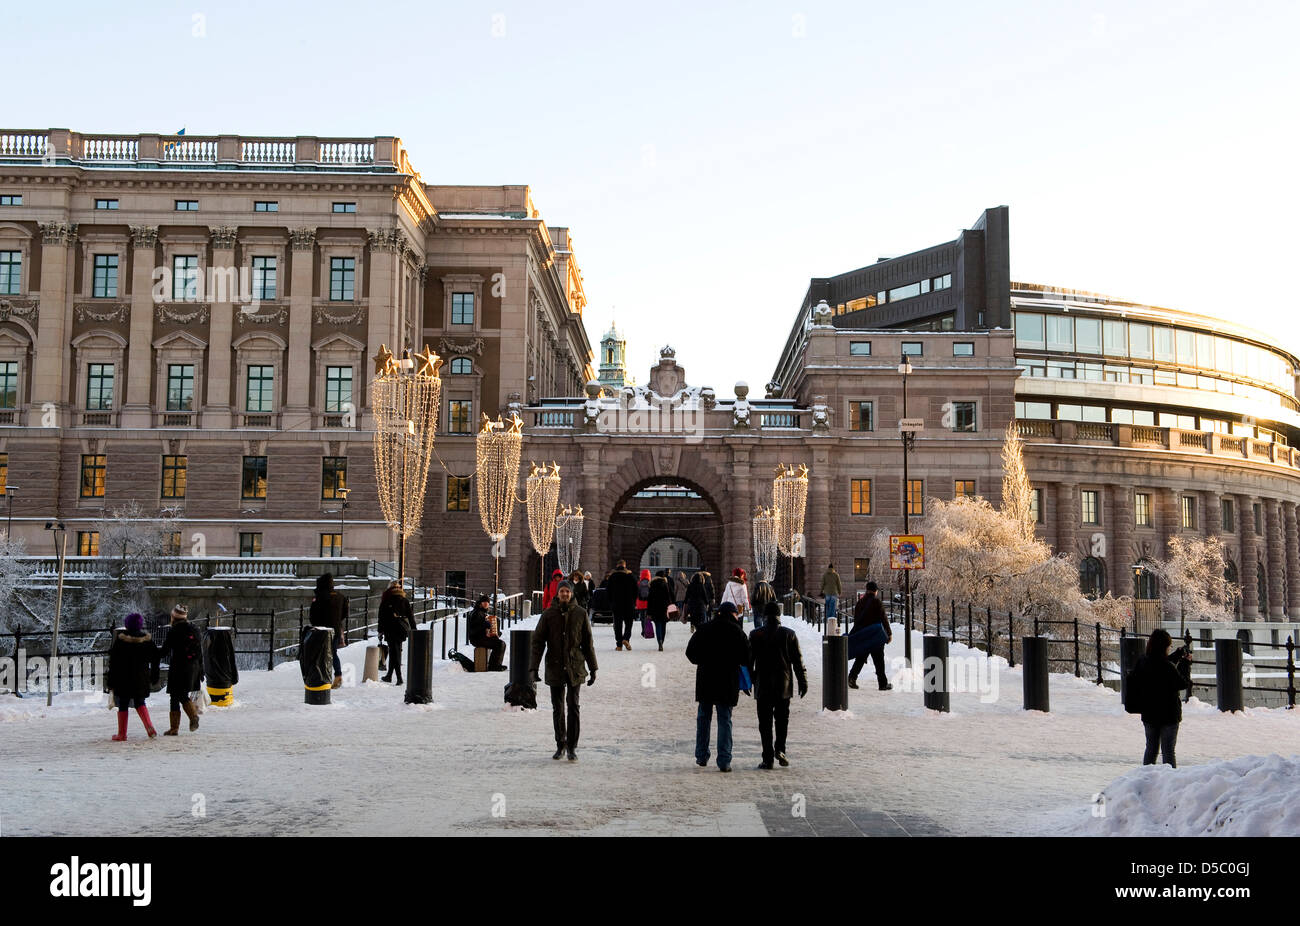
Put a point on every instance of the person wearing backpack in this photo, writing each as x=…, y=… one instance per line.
x=183, y=651
x=132, y=670
x=1152, y=690
x=777, y=662
x=622, y=586
x=396, y=621
x=643, y=603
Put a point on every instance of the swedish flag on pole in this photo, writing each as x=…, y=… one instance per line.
x=167, y=146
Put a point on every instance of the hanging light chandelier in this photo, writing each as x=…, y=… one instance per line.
x=404, y=397
x=789, y=499
x=765, y=529
x=568, y=538
x=542, y=495
x=498, y=447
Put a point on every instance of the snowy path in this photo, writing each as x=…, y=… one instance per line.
x=367, y=764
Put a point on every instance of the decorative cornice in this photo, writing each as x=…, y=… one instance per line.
x=325, y=318
x=452, y=346
x=58, y=232
x=28, y=308
x=302, y=239
x=168, y=313
x=144, y=236
x=90, y=311
x=223, y=237
x=279, y=316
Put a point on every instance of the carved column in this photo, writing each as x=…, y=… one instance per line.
x=297, y=408
x=217, y=410
x=52, y=354
x=1067, y=516
x=1212, y=517
x=1275, y=559
x=740, y=546
x=1292, y=528
x=1119, y=552
x=1247, y=569
x=817, y=526
x=595, y=510
x=137, y=411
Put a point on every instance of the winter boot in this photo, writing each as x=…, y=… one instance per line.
x=192, y=713
x=338, y=682
x=175, y=718
x=559, y=753
x=853, y=681
x=122, y=717
x=143, y=711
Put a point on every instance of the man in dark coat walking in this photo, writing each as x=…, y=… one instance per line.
x=564, y=633
x=718, y=650
x=777, y=660
x=869, y=611
x=478, y=630
x=183, y=650
x=622, y=600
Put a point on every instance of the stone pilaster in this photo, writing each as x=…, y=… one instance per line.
x=1292, y=528
x=381, y=324
x=1068, y=515
x=217, y=410
x=1212, y=517
x=1249, y=565
x=58, y=254
x=137, y=411
x=740, y=545
x=817, y=529
x=301, y=363
x=1275, y=559
x=1119, y=555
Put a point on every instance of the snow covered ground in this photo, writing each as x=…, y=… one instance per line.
x=368, y=764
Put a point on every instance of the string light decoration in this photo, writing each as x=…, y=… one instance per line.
x=497, y=472
x=765, y=525
x=568, y=538
x=790, y=499
x=542, y=495
x=404, y=397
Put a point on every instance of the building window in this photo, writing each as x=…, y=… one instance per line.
x=333, y=477
x=253, y=479
x=963, y=349
x=963, y=416
x=1146, y=586
x=187, y=205
x=461, y=366
x=859, y=348
x=458, y=416
x=343, y=272
x=1142, y=509
x=9, y=384
x=860, y=496
x=173, y=476
x=93, y=467
x=105, y=204
x=4, y=474
x=99, y=387
x=180, y=387
x=1258, y=510
x=260, y=392
x=105, y=278
x=916, y=497
x=11, y=272
x=11, y=199
x=185, y=278
x=338, y=388
x=264, y=278
x=172, y=543
x=462, y=308
x=942, y=282
x=1089, y=508
x=963, y=488
x=862, y=416
x=266, y=206
x=458, y=493
x=250, y=544
x=1036, y=506
x=861, y=570
x=87, y=543
x=911, y=348
x=1225, y=506
x=345, y=207
x=1189, y=513
x=1092, y=577
x=331, y=544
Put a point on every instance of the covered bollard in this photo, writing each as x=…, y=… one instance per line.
x=419, y=671
x=1227, y=674
x=316, y=660
x=370, y=672
x=526, y=610
x=934, y=684
x=835, y=673
x=1035, y=673
x=1131, y=649
x=521, y=690
x=219, y=665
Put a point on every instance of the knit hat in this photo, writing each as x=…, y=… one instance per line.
x=180, y=611
x=134, y=622
x=727, y=608
x=565, y=584
x=772, y=609
x=484, y=599
x=873, y=587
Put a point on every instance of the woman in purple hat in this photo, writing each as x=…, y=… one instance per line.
x=132, y=670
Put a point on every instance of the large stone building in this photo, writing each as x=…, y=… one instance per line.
x=189, y=323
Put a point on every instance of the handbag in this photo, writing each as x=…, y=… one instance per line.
x=673, y=613
x=648, y=628
x=746, y=684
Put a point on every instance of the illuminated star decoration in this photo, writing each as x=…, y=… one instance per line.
x=429, y=362
x=383, y=360
x=516, y=425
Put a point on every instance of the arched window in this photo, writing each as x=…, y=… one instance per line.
x=1230, y=575
x=1247, y=645
x=1092, y=577
x=461, y=366
x=1145, y=586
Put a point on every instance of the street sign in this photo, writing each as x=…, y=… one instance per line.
x=906, y=551
x=911, y=424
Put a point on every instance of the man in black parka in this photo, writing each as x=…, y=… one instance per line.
x=777, y=660
x=869, y=611
x=718, y=650
x=564, y=634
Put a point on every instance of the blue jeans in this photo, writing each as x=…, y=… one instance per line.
x=1162, y=739
x=831, y=602
x=703, y=723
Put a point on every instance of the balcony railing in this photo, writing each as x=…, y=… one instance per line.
x=1038, y=430
x=176, y=420
x=259, y=421
x=98, y=419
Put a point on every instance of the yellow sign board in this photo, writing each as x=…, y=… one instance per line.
x=906, y=551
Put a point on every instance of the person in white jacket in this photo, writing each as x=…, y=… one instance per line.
x=737, y=593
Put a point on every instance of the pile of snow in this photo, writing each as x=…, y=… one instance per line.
x=1233, y=797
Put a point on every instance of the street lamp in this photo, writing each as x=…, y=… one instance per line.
x=61, y=551
x=343, y=510
x=9, y=529
x=909, y=440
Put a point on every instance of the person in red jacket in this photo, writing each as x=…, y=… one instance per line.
x=548, y=593
x=643, y=603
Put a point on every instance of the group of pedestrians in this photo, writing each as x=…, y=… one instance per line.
x=134, y=667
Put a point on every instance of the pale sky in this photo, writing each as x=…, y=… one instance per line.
x=711, y=158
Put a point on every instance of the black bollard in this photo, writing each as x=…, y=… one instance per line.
x=316, y=660
x=522, y=690
x=934, y=656
x=1035, y=673
x=1227, y=674
x=835, y=673
x=419, y=668
x=1131, y=649
x=219, y=665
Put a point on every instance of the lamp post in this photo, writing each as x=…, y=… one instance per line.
x=343, y=511
x=61, y=551
x=9, y=529
x=909, y=438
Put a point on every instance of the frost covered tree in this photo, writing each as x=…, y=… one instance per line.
x=1194, y=585
x=1017, y=493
